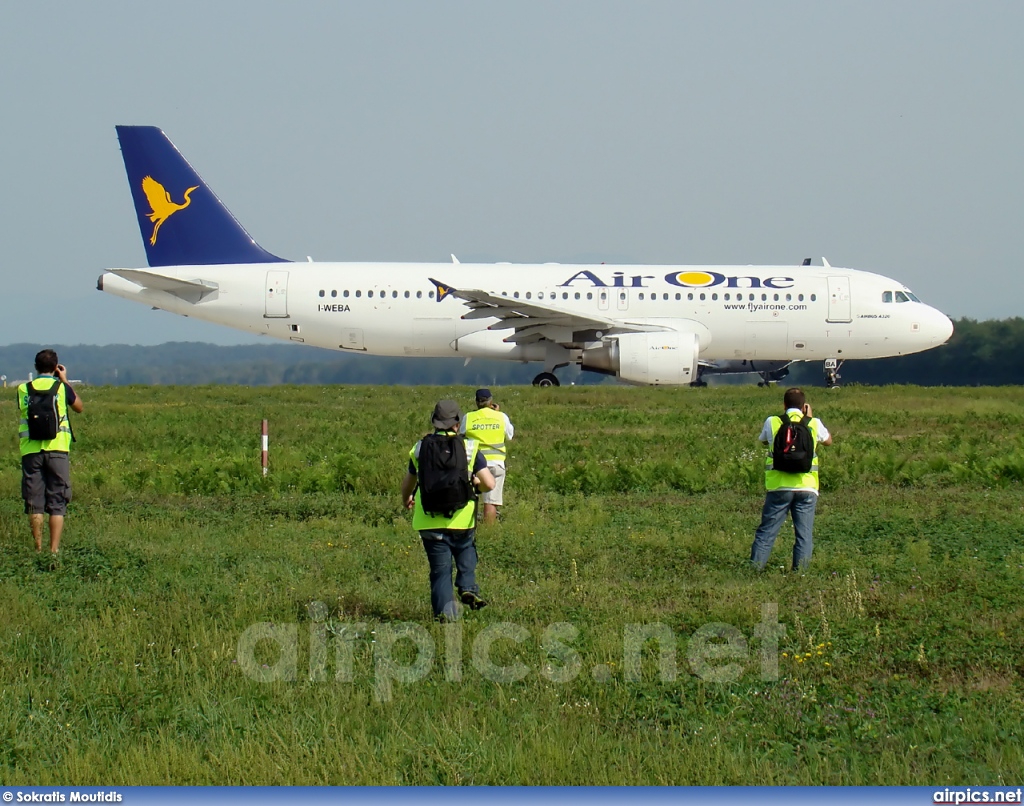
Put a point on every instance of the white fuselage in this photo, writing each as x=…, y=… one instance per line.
x=793, y=313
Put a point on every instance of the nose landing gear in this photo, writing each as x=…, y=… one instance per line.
x=832, y=375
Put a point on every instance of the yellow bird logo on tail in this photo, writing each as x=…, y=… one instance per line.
x=160, y=203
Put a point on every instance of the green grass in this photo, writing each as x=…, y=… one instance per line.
x=901, y=662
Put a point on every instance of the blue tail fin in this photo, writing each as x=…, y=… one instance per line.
x=182, y=222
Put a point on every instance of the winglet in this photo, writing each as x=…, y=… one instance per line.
x=443, y=290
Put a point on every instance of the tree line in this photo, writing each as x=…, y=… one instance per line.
x=986, y=353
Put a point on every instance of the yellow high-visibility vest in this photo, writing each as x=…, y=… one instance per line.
x=61, y=442
x=464, y=518
x=488, y=427
x=778, y=480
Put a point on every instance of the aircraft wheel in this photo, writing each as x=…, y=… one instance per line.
x=546, y=379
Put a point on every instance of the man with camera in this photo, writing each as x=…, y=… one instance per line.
x=489, y=426
x=45, y=437
x=444, y=468
x=790, y=478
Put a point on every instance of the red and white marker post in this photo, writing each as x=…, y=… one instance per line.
x=266, y=445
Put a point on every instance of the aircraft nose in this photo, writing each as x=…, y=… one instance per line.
x=942, y=326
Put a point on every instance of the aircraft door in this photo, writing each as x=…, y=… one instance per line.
x=839, y=299
x=277, y=295
x=622, y=299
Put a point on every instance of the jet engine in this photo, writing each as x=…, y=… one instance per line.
x=660, y=358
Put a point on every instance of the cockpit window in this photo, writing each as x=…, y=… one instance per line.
x=901, y=297
x=887, y=296
x=913, y=297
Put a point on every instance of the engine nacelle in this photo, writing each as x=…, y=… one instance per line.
x=662, y=358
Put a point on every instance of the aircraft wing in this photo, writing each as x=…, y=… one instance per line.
x=188, y=290
x=533, y=321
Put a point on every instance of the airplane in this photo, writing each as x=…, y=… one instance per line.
x=646, y=324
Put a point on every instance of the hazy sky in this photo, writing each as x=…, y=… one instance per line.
x=886, y=136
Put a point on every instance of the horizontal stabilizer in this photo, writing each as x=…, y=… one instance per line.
x=188, y=290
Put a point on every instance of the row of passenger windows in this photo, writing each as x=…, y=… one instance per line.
x=901, y=296
x=603, y=295
x=381, y=294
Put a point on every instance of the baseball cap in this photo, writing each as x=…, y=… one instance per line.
x=483, y=395
x=446, y=414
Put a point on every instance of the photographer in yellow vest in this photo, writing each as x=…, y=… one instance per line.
x=443, y=469
x=790, y=478
x=492, y=428
x=44, y=431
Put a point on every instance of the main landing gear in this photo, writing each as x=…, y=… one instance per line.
x=832, y=375
x=546, y=379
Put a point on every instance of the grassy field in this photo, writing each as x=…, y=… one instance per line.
x=630, y=512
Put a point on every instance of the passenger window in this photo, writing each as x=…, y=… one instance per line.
x=714, y=296
x=344, y=293
x=528, y=296
x=431, y=295
x=775, y=297
x=739, y=296
x=622, y=295
x=887, y=296
x=515, y=294
x=678, y=295
x=321, y=292
x=604, y=295
x=764, y=297
x=702, y=297
x=800, y=297
x=789, y=297
x=419, y=295
x=407, y=295
x=813, y=297
x=690, y=296
x=565, y=295
x=641, y=295
x=334, y=293
x=590, y=295
x=553, y=295
x=394, y=295
x=359, y=293
x=576, y=295
x=369, y=293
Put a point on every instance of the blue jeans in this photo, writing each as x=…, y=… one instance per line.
x=442, y=547
x=776, y=504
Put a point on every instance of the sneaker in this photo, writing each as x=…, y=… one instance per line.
x=472, y=600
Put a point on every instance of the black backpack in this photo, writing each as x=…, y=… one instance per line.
x=43, y=414
x=444, y=475
x=793, y=448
